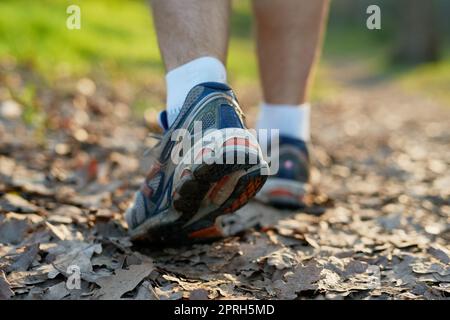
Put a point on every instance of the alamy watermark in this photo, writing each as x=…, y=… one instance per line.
x=73, y=21
x=73, y=281
x=226, y=146
x=373, y=22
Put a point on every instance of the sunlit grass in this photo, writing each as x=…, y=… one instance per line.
x=431, y=79
x=117, y=40
x=116, y=35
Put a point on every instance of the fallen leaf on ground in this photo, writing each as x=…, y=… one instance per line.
x=5, y=287
x=15, y=203
x=198, y=294
x=304, y=277
x=25, y=259
x=124, y=280
x=56, y=292
x=146, y=292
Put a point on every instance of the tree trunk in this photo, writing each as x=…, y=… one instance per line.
x=417, y=39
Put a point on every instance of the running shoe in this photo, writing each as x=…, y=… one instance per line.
x=286, y=189
x=194, y=180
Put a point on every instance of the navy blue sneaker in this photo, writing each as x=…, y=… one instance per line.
x=286, y=189
x=214, y=169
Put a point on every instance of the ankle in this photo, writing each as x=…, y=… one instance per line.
x=182, y=79
x=291, y=120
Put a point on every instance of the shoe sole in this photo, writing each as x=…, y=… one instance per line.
x=203, y=192
x=283, y=194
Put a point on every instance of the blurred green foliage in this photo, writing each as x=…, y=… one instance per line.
x=117, y=39
x=114, y=36
x=118, y=36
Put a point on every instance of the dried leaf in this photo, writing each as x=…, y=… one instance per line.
x=198, y=294
x=124, y=280
x=440, y=254
x=5, y=287
x=56, y=292
x=168, y=292
x=146, y=292
x=303, y=278
x=13, y=229
x=13, y=202
x=25, y=259
x=78, y=254
x=281, y=259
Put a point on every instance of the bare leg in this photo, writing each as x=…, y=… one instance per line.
x=189, y=29
x=289, y=34
x=193, y=36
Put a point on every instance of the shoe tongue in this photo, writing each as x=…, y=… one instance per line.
x=163, y=121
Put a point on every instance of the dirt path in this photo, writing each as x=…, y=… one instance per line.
x=378, y=226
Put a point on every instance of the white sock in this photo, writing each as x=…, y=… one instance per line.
x=182, y=79
x=292, y=120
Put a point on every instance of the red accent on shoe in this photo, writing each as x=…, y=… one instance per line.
x=249, y=193
x=210, y=232
x=281, y=192
x=218, y=186
x=239, y=142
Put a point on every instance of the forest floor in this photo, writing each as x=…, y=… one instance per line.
x=378, y=224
